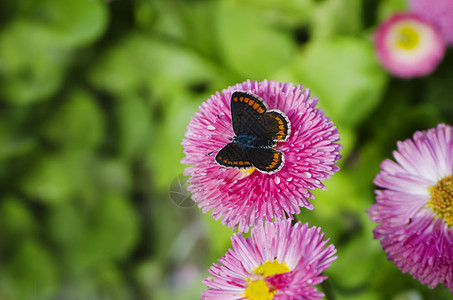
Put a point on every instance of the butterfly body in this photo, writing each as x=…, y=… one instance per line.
x=247, y=141
x=257, y=133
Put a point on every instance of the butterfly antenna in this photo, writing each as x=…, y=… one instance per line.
x=229, y=130
x=209, y=154
x=220, y=118
x=224, y=124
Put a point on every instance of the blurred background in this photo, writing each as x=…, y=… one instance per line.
x=95, y=97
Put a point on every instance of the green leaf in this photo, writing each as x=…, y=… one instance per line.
x=112, y=284
x=16, y=142
x=248, y=44
x=358, y=257
x=345, y=75
x=49, y=180
x=32, y=63
x=165, y=156
x=134, y=125
x=290, y=12
x=150, y=276
x=75, y=23
x=112, y=174
x=30, y=273
x=59, y=178
x=219, y=237
x=188, y=23
x=78, y=123
x=359, y=295
x=65, y=226
x=438, y=89
x=16, y=222
x=116, y=226
x=104, y=282
x=142, y=63
x=389, y=7
x=113, y=232
x=333, y=17
x=340, y=186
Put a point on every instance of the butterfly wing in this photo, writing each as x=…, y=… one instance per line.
x=273, y=125
x=246, y=109
x=266, y=160
x=233, y=156
x=250, y=118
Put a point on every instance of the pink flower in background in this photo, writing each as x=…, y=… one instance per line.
x=414, y=208
x=245, y=198
x=409, y=46
x=277, y=261
x=438, y=12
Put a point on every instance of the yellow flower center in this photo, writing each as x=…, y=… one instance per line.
x=441, y=200
x=248, y=171
x=258, y=289
x=271, y=268
x=407, y=38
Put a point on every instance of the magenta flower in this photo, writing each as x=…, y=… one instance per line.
x=415, y=206
x=277, y=261
x=439, y=12
x=407, y=45
x=245, y=198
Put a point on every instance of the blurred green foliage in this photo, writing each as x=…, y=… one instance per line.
x=94, y=100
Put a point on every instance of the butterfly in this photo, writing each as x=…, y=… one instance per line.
x=258, y=131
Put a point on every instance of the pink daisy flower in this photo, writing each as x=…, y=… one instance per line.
x=277, y=261
x=415, y=206
x=409, y=46
x=439, y=12
x=245, y=198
